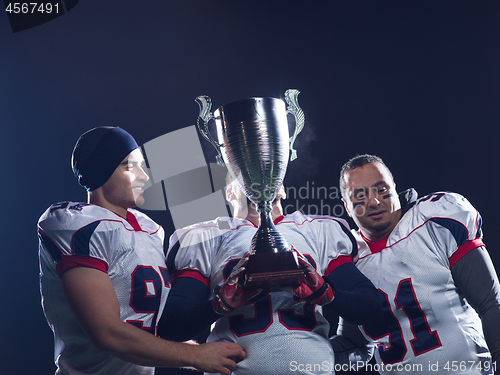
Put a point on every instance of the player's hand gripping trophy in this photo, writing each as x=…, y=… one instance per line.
x=254, y=144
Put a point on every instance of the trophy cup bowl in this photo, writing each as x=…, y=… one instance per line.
x=254, y=146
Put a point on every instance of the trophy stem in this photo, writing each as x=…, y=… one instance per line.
x=267, y=239
x=273, y=265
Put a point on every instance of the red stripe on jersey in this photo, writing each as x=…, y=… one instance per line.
x=464, y=249
x=71, y=261
x=190, y=273
x=278, y=219
x=342, y=259
x=133, y=221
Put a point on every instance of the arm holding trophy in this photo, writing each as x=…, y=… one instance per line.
x=236, y=271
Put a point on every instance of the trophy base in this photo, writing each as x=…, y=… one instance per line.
x=271, y=271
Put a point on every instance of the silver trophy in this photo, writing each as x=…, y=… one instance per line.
x=253, y=143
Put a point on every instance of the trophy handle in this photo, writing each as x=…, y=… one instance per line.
x=205, y=104
x=296, y=111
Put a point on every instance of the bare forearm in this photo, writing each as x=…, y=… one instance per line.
x=99, y=316
x=131, y=344
x=140, y=347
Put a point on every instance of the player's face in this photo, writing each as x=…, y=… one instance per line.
x=124, y=189
x=371, y=200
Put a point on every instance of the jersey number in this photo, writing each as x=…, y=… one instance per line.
x=263, y=318
x=434, y=197
x=423, y=340
x=263, y=314
x=145, y=297
x=63, y=205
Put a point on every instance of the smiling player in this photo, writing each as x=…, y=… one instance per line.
x=429, y=263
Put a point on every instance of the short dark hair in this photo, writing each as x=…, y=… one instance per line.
x=357, y=162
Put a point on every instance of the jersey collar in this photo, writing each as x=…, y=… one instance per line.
x=275, y=221
x=375, y=246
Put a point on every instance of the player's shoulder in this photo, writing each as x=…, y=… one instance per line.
x=205, y=230
x=300, y=218
x=442, y=204
x=68, y=213
x=445, y=209
x=210, y=225
x=362, y=246
x=73, y=216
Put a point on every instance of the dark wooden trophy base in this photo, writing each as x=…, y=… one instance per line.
x=270, y=271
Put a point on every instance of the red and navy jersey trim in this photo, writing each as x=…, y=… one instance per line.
x=334, y=264
x=354, y=252
x=458, y=230
x=193, y=274
x=170, y=261
x=51, y=247
x=80, y=248
x=70, y=261
x=80, y=243
x=464, y=249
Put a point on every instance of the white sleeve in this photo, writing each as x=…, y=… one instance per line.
x=192, y=249
x=452, y=222
x=340, y=245
x=78, y=240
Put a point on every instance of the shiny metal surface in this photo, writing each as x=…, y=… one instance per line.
x=254, y=140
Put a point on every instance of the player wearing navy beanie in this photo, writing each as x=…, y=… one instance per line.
x=103, y=278
x=98, y=152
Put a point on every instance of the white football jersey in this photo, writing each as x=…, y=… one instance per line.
x=129, y=251
x=428, y=326
x=279, y=334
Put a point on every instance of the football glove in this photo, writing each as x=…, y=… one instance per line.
x=315, y=288
x=230, y=294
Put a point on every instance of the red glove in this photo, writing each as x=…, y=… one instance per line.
x=230, y=294
x=315, y=288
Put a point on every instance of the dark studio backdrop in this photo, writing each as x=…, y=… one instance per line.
x=415, y=82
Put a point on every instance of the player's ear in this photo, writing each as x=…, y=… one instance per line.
x=282, y=193
x=230, y=193
x=232, y=189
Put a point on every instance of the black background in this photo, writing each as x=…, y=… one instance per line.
x=415, y=82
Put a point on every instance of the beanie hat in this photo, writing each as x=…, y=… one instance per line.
x=98, y=152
